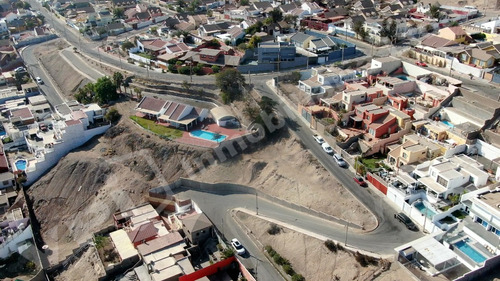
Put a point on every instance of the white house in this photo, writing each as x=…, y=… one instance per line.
x=483, y=206
x=446, y=176
x=4, y=29
x=311, y=8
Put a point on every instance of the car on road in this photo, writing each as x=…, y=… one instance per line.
x=318, y=139
x=39, y=80
x=406, y=220
x=238, y=247
x=421, y=63
x=327, y=148
x=359, y=180
x=20, y=69
x=340, y=161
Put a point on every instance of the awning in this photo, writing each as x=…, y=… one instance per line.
x=433, y=251
x=432, y=184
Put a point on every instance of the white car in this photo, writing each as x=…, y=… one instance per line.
x=340, y=161
x=20, y=69
x=238, y=247
x=39, y=80
x=327, y=148
x=318, y=139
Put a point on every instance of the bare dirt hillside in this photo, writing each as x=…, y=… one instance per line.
x=285, y=169
x=80, y=194
x=67, y=79
x=304, y=252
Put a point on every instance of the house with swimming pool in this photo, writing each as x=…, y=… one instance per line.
x=170, y=113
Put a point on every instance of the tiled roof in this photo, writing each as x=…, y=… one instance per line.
x=73, y=122
x=160, y=243
x=4, y=165
x=143, y=232
x=437, y=42
x=23, y=113
x=177, y=112
x=197, y=222
x=152, y=104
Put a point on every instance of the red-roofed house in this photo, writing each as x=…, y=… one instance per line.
x=21, y=116
x=155, y=47
x=375, y=120
x=151, y=107
x=143, y=233
x=455, y=33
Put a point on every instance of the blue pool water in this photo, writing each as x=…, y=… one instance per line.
x=469, y=251
x=447, y=123
x=2, y=133
x=424, y=210
x=207, y=135
x=404, y=77
x=21, y=165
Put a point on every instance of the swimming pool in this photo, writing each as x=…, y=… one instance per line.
x=206, y=135
x=447, y=123
x=424, y=210
x=469, y=251
x=21, y=164
x=404, y=77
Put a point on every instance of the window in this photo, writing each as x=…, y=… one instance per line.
x=5, y=182
x=442, y=181
x=405, y=155
x=485, y=224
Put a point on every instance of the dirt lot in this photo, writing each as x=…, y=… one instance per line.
x=67, y=79
x=303, y=252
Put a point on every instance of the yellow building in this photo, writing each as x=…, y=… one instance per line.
x=415, y=149
x=455, y=33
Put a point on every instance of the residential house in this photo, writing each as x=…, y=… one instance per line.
x=446, y=176
x=301, y=40
x=269, y=52
x=352, y=95
x=154, y=47
x=455, y=33
x=324, y=80
x=414, y=149
x=375, y=120
x=124, y=4
x=115, y=28
x=234, y=34
x=482, y=223
x=491, y=25
x=197, y=228
x=395, y=85
x=21, y=116
x=432, y=49
x=262, y=7
x=311, y=8
x=209, y=55
x=213, y=29
x=477, y=57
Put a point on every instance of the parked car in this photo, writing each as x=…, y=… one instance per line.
x=39, y=80
x=406, y=220
x=359, y=180
x=421, y=63
x=238, y=247
x=318, y=139
x=20, y=69
x=327, y=148
x=340, y=161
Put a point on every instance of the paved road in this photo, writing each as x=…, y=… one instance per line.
x=33, y=66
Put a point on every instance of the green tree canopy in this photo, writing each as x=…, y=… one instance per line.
x=118, y=80
x=105, y=90
x=231, y=83
x=267, y=104
x=254, y=41
x=126, y=45
x=276, y=15
x=118, y=13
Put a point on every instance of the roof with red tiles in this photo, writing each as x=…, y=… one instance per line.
x=73, y=122
x=23, y=113
x=4, y=165
x=177, y=112
x=152, y=104
x=143, y=232
x=160, y=243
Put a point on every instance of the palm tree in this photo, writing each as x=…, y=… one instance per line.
x=118, y=80
x=216, y=136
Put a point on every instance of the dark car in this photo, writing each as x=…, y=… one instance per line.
x=360, y=181
x=406, y=220
x=43, y=127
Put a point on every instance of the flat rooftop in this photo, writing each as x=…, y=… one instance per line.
x=491, y=198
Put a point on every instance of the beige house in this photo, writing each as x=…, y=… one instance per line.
x=415, y=149
x=455, y=33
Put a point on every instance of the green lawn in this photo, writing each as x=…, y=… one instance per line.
x=157, y=129
x=370, y=162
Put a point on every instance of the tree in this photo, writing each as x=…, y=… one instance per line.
x=210, y=13
x=85, y=94
x=358, y=28
x=453, y=23
x=231, y=83
x=118, y=13
x=105, y=90
x=127, y=45
x=251, y=112
x=215, y=68
x=267, y=104
x=429, y=28
x=276, y=15
x=434, y=12
x=138, y=92
x=389, y=30
x=254, y=41
x=112, y=115
x=244, y=2
x=118, y=80
x=186, y=85
x=290, y=19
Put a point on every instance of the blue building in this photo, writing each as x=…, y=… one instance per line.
x=272, y=52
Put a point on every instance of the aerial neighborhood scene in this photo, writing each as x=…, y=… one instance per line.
x=244, y=140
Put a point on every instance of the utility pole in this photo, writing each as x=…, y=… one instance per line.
x=191, y=69
x=257, y=202
x=346, y=230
